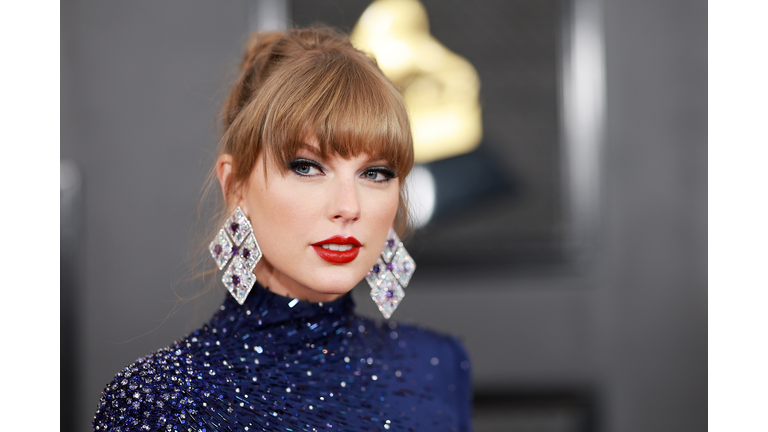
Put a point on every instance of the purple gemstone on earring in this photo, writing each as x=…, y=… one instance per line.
x=235, y=250
x=238, y=279
x=390, y=266
x=220, y=249
x=376, y=268
x=250, y=251
x=391, y=244
x=386, y=293
x=403, y=267
x=234, y=227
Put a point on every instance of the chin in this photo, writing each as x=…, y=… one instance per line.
x=334, y=287
x=336, y=281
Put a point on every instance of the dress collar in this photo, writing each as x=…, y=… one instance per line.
x=265, y=308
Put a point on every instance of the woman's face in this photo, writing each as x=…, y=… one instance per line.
x=321, y=223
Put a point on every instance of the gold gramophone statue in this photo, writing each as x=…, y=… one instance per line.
x=441, y=89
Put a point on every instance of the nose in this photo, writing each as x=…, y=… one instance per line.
x=345, y=205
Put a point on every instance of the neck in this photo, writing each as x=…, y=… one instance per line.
x=266, y=310
x=282, y=285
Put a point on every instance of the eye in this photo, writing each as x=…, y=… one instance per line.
x=378, y=174
x=306, y=167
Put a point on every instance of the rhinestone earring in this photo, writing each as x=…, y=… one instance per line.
x=390, y=275
x=236, y=239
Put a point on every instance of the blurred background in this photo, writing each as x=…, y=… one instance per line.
x=574, y=180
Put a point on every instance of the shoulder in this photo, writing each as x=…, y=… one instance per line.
x=434, y=364
x=443, y=361
x=443, y=354
x=148, y=393
x=438, y=347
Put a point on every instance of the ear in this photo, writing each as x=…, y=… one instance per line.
x=224, y=174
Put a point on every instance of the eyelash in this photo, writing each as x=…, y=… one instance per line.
x=295, y=164
x=388, y=173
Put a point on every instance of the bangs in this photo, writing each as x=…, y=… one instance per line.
x=343, y=101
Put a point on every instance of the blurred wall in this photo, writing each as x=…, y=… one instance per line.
x=141, y=83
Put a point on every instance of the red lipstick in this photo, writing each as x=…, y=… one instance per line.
x=338, y=256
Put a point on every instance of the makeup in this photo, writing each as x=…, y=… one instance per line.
x=338, y=249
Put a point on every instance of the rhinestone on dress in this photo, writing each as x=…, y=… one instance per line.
x=238, y=279
x=391, y=273
x=221, y=249
x=278, y=364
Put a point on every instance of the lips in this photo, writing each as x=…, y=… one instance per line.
x=338, y=249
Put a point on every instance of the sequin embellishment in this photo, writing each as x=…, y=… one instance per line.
x=278, y=364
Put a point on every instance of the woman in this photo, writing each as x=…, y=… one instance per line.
x=311, y=166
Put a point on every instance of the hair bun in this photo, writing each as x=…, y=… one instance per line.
x=257, y=59
x=259, y=46
x=265, y=51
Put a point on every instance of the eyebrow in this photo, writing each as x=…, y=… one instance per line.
x=382, y=160
x=315, y=151
x=310, y=148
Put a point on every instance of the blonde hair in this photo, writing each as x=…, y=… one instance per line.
x=313, y=83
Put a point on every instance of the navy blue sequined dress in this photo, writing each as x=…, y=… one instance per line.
x=280, y=364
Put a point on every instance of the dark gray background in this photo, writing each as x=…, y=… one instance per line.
x=141, y=83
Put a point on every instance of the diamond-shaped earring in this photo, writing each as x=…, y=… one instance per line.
x=236, y=239
x=391, y=273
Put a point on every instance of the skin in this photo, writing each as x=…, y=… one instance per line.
x=292, y=208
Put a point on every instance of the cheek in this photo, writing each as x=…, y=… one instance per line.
x=391, y=208
x=277, y=211
x=381, y=209
x=392, y=202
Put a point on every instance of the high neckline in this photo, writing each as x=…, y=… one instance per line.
x=263, y=308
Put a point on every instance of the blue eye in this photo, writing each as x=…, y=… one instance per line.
x=378, y=174
x=305, y=167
